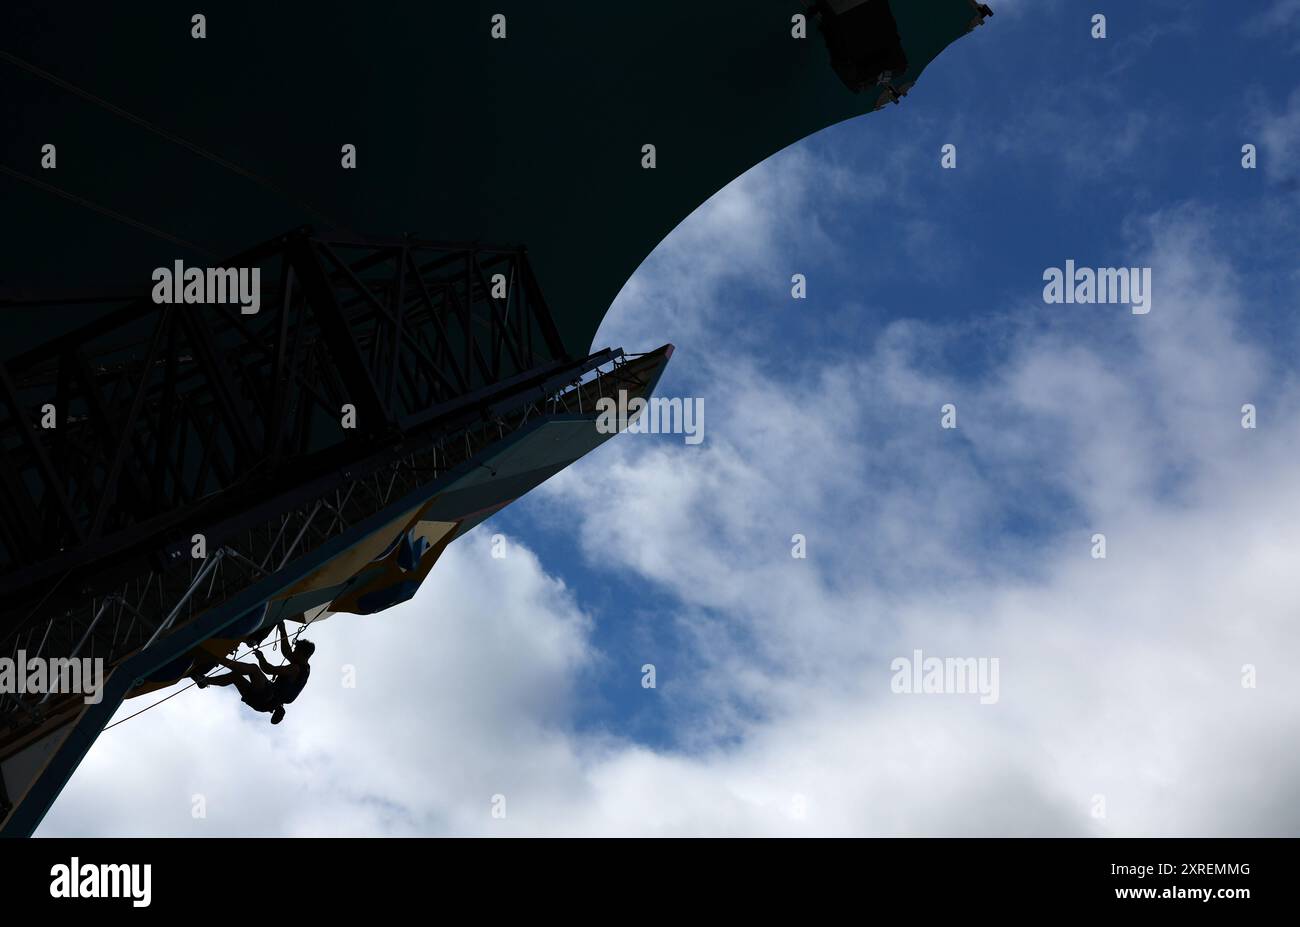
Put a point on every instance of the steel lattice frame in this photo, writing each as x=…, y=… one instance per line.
x=121, y=623
x=180, y=419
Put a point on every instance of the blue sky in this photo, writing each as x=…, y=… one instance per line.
x=1034, y=185
x=1121, y=678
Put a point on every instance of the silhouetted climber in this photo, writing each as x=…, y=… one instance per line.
x=258, y=689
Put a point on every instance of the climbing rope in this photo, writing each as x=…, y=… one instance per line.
x=104, y=210
x=293, y=639
x=172, y=137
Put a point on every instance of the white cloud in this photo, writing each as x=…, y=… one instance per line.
x=1279, y=18
x=1278, y=131
x=452, y=690
x=1122, y=677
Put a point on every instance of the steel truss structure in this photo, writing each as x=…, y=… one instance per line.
x=177, y=420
